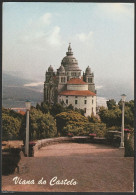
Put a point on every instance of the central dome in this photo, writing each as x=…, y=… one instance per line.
x=69, y=61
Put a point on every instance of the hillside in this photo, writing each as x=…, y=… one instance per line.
x=14, y=93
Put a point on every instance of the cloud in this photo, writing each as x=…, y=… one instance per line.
x=99, y=86
x=54, y=38
x=33, y=84
x=46, y=18
x=41, y=33
x=117, y=8
x=84, y=37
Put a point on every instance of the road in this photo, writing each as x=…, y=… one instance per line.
x=74, y=167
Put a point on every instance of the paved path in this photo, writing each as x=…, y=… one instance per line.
x=92, y=167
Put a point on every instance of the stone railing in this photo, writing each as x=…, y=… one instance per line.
x=76, y=139
x=44, y=142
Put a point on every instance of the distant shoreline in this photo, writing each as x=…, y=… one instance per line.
x=16, y=103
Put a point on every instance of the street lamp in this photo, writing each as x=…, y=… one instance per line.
x=28, y=106
x=123, y=96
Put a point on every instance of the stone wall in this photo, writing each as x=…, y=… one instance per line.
x=45, y=142
x=75, y=139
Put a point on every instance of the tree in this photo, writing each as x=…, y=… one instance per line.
x=110, y=117
x=45, y=107
x=70, y=117
x=72, y=128
x=85, y=128
x=11, y=124
x=111, y=104
x=103, y=113
x=131, y=106
x=70, y=107
x=128, y=117
x=93, y=119
x=129, y=113
x=42, y=125
x=113, y=116
x=12, y=113
x=10, y=127
x=38, y=106
x=81, y=111
x=22, y=131
x=56, y=109
x=74, y=122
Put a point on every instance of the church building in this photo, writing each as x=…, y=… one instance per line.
x=69, y=86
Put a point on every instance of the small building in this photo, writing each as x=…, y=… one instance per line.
x=21, y=111
x=69, y=86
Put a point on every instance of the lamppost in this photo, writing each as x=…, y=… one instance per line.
x=122, y=127
x=28, y=106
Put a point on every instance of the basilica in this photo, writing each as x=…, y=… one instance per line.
x=67, y=85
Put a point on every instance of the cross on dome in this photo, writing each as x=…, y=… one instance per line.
x=69, y=50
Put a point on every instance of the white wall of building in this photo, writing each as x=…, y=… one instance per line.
x=90, y=105
x=77, y=87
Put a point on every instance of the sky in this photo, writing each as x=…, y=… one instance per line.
x=36, y=35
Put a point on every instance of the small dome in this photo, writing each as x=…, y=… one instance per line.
x=50, y=69
x=61, y=69
x=88, y=70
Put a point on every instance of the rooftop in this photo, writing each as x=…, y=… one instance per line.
x=77, y=93
x=76, y=81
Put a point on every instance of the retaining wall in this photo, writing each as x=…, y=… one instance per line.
x=45, y=142
x=75, y=139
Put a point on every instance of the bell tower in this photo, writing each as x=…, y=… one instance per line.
x=61, y=78
x=88, y=77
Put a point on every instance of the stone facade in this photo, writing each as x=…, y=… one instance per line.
x=69, y=86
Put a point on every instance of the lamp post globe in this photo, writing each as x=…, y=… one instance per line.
x=123, y=96
x=28, y=104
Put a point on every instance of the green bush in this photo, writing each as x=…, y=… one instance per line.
x=129, y=151
x=10, y=127
x=100, y=129
x=72, y=129
x=84, y=129
x=69, y=118
x=112, y=115
x=41, y=125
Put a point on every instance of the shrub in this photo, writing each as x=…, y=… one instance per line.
x=129, y=151
x=72, y=129
x=41, y=125
x=10, y=127
x=69, y=118
x=84, y=129
x=100, y=129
